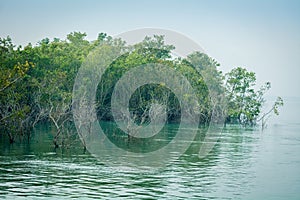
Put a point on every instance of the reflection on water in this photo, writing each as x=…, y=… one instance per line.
x=245, y=164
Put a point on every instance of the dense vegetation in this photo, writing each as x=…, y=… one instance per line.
x=36, y=84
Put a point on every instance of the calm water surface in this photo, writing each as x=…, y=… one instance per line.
x=245, y=164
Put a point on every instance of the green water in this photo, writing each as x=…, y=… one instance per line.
x=245, y=164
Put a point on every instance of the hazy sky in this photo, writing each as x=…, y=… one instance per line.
x=263, y=36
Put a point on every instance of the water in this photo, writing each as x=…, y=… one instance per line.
x=245, y=164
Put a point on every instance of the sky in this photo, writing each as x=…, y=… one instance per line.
x=260, y=35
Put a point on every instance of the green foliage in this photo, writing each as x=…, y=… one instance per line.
x=36, y=83
x=244, y=102
x=15, y=110
x=278, y=103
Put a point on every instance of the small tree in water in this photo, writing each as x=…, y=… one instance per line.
x=244, y=102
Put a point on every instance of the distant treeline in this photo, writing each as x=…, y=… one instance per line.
x=36, y=84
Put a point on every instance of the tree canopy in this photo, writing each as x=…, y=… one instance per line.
x=36, y=83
